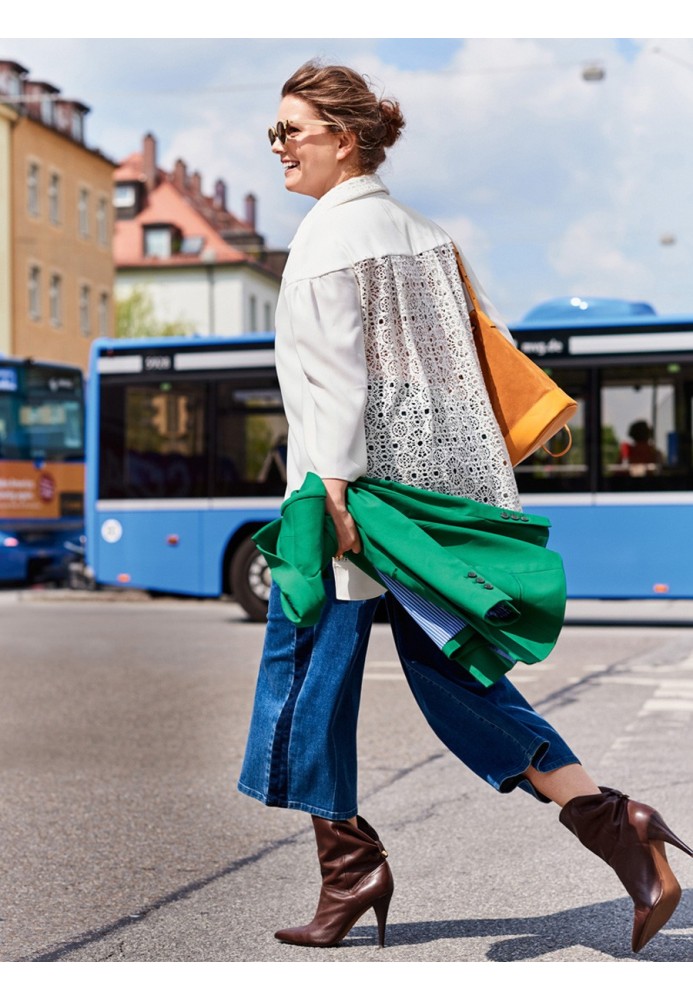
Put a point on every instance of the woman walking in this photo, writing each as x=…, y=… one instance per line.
x=380, y=378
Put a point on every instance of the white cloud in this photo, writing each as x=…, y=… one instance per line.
x=553, y=185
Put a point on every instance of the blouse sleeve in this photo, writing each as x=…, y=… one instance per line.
x=325, y=317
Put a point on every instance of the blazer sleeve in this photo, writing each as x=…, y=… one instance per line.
x=327, y=328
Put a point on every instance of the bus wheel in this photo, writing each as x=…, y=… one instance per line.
x=250, y=580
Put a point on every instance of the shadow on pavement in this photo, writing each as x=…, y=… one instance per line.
x=603, y=927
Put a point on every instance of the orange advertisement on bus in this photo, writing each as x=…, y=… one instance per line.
x=50, y=491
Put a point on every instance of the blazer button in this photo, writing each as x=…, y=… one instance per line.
x=525, y=518
x=505, y=514
x=480, y=579
x=488, y=586
x=471, y=574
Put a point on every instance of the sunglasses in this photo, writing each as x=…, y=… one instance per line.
x=281, y=129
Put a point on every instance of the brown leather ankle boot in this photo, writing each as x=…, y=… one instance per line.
x=355, y=876
x=630, y=837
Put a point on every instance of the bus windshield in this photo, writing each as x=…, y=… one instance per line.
x=41, y=414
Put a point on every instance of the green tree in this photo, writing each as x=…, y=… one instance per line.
x=135, y=317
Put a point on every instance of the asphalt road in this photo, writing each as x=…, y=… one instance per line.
x=122, y=725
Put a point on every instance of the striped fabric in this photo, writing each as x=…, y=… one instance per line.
x=438, y=624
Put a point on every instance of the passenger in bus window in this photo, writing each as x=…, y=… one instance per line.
x=641, y=455
x=380, y=378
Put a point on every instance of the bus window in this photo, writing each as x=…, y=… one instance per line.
x=640, y=438
x=251, y=433
x=153, y=442
x=544, y=473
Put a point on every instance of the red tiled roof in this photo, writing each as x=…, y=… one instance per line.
x=193, y=213
x=167, y=206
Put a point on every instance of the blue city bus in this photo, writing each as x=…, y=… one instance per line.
x=186, y=446
x=41, y=469
x=621, y=500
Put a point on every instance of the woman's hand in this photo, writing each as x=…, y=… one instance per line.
x=347, y=536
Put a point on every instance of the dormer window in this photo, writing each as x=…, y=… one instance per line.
x=192, y=245
x=69, y=118
x=127, y=199
x=11, y=77
x=161, y=241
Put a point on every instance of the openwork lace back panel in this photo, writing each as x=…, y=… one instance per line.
x=429, y=421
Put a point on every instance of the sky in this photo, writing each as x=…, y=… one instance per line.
x=552, y=185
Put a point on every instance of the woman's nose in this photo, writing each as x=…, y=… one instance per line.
x=277, y=145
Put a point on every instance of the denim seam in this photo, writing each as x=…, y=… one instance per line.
x=278, y=759
x=357, y=638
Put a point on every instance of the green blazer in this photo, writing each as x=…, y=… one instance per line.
x=488, y=565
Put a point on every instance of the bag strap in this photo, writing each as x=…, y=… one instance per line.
x=465, y=280
x=560, y=454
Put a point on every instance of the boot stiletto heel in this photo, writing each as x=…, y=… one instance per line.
x=658, y=830
x=381, y=906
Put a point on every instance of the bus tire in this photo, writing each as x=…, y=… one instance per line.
x=250, y=580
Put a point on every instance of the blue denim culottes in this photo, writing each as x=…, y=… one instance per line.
x=301, y=750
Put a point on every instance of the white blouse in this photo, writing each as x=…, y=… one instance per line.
x=376, y=358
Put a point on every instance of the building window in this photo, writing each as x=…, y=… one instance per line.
x=127, y=200
x=47, y=116
x=55, y=300
x=32, y=191
x=161, y=241
x=35, y=292
x=103, y=314
x=54, y=199
x=85, y=310
x=268, y=316
x=102, y=221
x=252, y=303
x=83, y=212
x=77, y=124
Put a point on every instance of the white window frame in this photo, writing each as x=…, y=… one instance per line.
x=102, y=220
x=55, y=299
x=34, y=289
x=33, y=184
x=85, y=309
x=83, y=213
x=54, y=198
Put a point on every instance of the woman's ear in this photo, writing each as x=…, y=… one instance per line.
x=346, y=146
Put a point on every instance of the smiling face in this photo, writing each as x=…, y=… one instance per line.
x=314, y=158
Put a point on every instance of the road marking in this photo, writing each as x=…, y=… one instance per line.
x=384, y=677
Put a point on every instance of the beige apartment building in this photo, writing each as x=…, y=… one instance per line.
x=7, y=120
x=60, y=271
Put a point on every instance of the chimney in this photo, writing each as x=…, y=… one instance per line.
x=250, y=210
x=196, y=183
x=149, y=161
x=180, y=174
x=220, y=195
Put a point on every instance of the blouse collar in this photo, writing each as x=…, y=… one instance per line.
x=340, y=194
x=355, y=187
